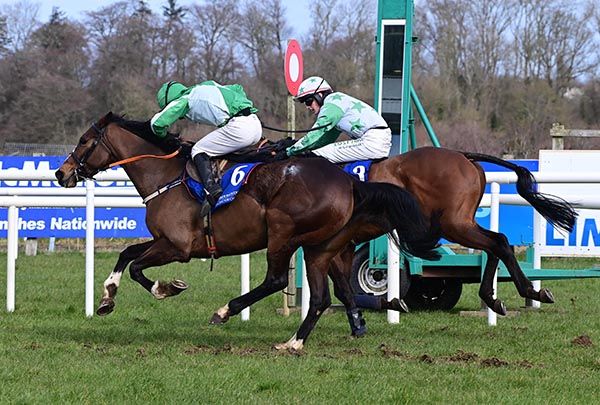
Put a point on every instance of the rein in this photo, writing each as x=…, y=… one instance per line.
x=99, y=140
x=298, y=131
x=140, y=157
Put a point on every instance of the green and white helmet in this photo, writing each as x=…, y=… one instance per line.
x=168, y=92
x=311, y=86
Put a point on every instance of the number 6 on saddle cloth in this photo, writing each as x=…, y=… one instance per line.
x=231, y=182
x=236, y=176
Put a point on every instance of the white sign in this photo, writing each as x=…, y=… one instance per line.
x=585, y=238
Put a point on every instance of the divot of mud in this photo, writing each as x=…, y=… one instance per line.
x=463, y=357
x=583, y=340
x=494, y=362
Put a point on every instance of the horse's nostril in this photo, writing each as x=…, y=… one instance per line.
x=59, y=175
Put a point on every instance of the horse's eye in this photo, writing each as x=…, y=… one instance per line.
x=82, y=141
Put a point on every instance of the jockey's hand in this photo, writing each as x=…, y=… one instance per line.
x=186, y=149
x=280, y=155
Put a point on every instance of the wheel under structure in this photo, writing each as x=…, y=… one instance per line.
x=373, y=281
x=428, y=294
x=433, y=294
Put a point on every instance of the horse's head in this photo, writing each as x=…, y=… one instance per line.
x=91, y=155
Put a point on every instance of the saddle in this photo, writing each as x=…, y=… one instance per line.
x=261, y=152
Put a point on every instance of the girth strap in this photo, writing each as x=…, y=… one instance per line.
x=210, y=238
x=163, y=189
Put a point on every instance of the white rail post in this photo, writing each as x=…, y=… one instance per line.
x=89, y=248
x=537, y=257
x=11, y=257
x=494, y=227
x=393, y=279
x=305, y=290
x=245, y=275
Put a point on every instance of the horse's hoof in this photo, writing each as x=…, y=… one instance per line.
x=399, y=305
x=281, y=346
x=107, y=305
x=176, y=287
x=217, y=320
x=292, y=347
x=360, y=332
x=546, y=296
x=499, y=307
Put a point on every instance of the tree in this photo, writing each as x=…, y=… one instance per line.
x=261, y=31
x=4, y=39
x=21, y=21
x=176, y=40
x=126, y=58
x=50, y=110
x=214, y=53
x=547, y=48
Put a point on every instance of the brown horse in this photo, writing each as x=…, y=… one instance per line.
x=449, y=186
x=452, y=183
x=285, y=205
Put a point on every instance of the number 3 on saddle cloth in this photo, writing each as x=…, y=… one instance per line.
x=231, y=182
x=359, y=169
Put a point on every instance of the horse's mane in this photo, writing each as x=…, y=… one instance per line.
x=139, y=128
x=143, y=129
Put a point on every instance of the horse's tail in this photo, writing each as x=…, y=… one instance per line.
x=393, y=208
x=556, y=210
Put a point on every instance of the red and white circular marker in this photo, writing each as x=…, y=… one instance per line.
x=293, y=66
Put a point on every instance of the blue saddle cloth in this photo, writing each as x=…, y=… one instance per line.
x=232, y=181
x=359, y=169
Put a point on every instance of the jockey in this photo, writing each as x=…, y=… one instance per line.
x=336, y=112
x=225, y=107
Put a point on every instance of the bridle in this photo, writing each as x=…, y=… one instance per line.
x=99, y=139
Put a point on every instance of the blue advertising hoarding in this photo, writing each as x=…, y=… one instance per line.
x=515, y=221
x=67, y=222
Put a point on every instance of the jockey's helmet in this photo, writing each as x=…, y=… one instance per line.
x=168, y=92
x=311, y=87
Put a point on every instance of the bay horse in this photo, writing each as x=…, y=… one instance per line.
x=452, y=183
x=307, y=203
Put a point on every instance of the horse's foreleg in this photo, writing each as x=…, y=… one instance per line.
x=275, y=280
x=160, y=253
x=111, y=284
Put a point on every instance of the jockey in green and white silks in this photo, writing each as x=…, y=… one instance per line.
x=338, y=112
x=226, y=107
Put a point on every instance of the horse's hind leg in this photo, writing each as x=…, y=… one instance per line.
x=486, y=289
x=497, y=247
x=320, y=300
x=339, y=271
x=275, y=280
x=524, y=286
x=111, y=284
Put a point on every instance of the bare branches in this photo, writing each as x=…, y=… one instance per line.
x=492, y=74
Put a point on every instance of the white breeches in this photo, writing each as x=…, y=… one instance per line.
x=374, y=144
x=239, y=133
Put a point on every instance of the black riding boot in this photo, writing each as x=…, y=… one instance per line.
x=211, y=185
